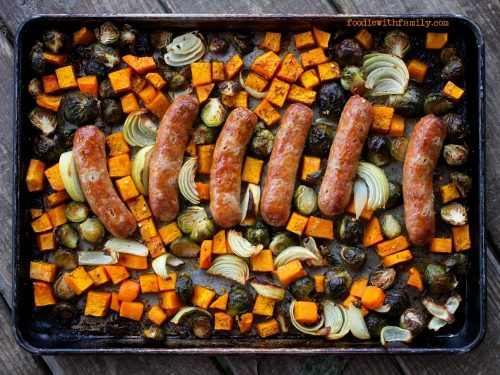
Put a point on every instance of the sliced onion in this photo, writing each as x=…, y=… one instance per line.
x=251, y=91
x=291, y=253
x=231, y=267
x=357, y=323
x=69, y=176
x=377, y=183
x=360, y=196
x=383, y=309
x=386, y=74
x=451, y=305
x=187, y=185
x=139, y=129
x=319, y=261
x=317, y=330
x=393, y=333
x=184, y=50
x=123, y=245
x=241, y=246
x=437, y=310
x=267, y=290
x=97, y=258
x=337, y=319
x=250, y=205
x=140, y=169
x=186, y=311
x=159, y=264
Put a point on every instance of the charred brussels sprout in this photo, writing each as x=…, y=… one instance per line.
x=187, y=219
x=107, y=33
x=305, y=200
x=202, y=230
x=453, y=64
x=106, y=90
x=413, y=320
x=36, y=58
x=240, y=301
x=390, y=226
x=44, y=120
x=93, y=67
x=331, y=99
x=454, y=213
x=457, y=263
x=61, y=289
x=142, y=45
x=397, y=300
x=353, y=257
x=243, y=43
x=66, y=259
x=35, y=87
x=319, y=140
x=455, y=155
x=54, y=40
x=375, y=322
x=462, y=182
x=218, y=44
x=438, y=279
x=398, y=148
x=337, y=282
x=229, y=88
x=437, y=104
x=184, y=287
x=65, y=311
x=409, y=104
x=105, y=55
x=161, y=38
x=262, y=142
x=111, y=111
x=397, y=43
x=457, y=128
x=377, y=150
x=303, y=289
x=203, y=135
x=67, y=236
x=348, y=52
x=153, y=332
x=76, y=212
x=92, y=230
x=283, y=240
x=213, y=113
x=200, y=325
x=177, y=81
x=49, y=148
x=349, y=230
x=382, y=278
x=127, y=37
x=80, y=108
x=258, y=234
x=353, y=79
x=395, y=195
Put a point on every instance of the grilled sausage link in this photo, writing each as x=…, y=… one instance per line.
x=284, y=163
x=168, y=154
x=225, y=175
x=421, y=158
x=354, y=125
x=90, y=159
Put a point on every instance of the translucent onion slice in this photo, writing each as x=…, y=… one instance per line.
x=69, y=176
x=250, y=205
x=140, y=169
x=291, y=253
x=241, y=246
x=319, y=261
x=337, y=319
x=186, y=311
x=395, y=334
x=139, y=129
x=360, y=196
x=451, y=305
x=377, y=183
x=357, y=323
x=184, y=50
x=251, y=91
x=383, y=309
x=123, y=245
x=438, y=311
x=386, y=74
x=267, y=289
x=187, y=185
x=317, y=330
x=231, y=267
x=97, y=258
x=159, y=264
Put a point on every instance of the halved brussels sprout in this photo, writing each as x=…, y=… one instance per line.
x=49, y=148
x=188, y=218
x=258, y=234
x=161, y=38
x=283, y=240
x=76, y=212
x=397, y=43
x=105, y=55
x=66, y=259
x=349, y=230
x=375, y=322
x=382, y=278
x=398, y=148
x=377, y=150
x=337, y=282
x=229, y=88
x=455, y=155
x=453, y=70
x=184, y=247
x=305, y=200
x=218, y=44
x=54, y=40
x=397, y=300
x=353, y=257
x=213, y=113
x=395, y=195
x=36, y=58
x=142, y=45
x=92, y=230
x=153, y=332
x=331, y=99
x=457, y=263
x=353, y=79
x=348, y=52
x=390, y=226
x=240, y=301
x=66, y=236
x=177, y=81
x=243, y=43
x=44, y=120
x=62, y=289
x=200, y=325
x=65, y=311
x=203, y=135
x=319, y=140
x=106, y=90
x=127, y=36
x=462, y=182
x=303, y=289
x=437, y=104
x=202, y=230
x=184, y=287
x=413, y=320
x=454, y=213
x=409, y=104
x=111, y=111
x=107, y=33
x=457, y=128
x=35, y=87
x=80, y=108
x=95, y=68
x=262, y=142
x=438, y=279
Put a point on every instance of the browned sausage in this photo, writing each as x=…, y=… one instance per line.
x=225, y=175
x=354, y=125
x=90, y=159
x=421, y=158
x=168, y=154
x=284, y=163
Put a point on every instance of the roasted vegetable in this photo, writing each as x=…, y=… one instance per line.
x=184, y=247
x=283, y=240
x=398, y=148
x=106, y=90
x=218, y=44
x=377, y=150
x=66, y=259
x=243, y=43
x=462, y=182
x=44, y=120
x=240, y=301
x=203, y=135
x=386, y=74
x=229, y=88
x=455, y=155
x=184, y=287
x=184, y=50
x=153, y=332
x=35, y=87
x=128, y=36
x=161, y=38
x=397, y=43
x=62, y=289
x=92, y=230
x=348, y=52
x=105, y=55
x=438, y=279
x=213, y=113
x=331, y=99
x=454, y=213
x=305, y=200
x=457, y=128
x=375, y=322
x=111, y=111
x=202, y=230
x=395, y=195
x=258, y=234
x=200, y=325
x=353, y=79
x=382, y=278
x=353, y=257
x=453, y=64
x=437, y=104
x=142, y=45
x=65, y=311
x=458, y=263
x=337, y=282
x=54, y=40
x=67, y=236
x=409, y=104
x=80, y=109
x=349, y=230
x=36, y=58
x=303, y=289
x=413, y=320
x=390, y=226
x=188, y=218
x=319, y=140
x=76, y=212
x=262, y=142
x=107, y=33
x=93, y=67
x=175, y=80
x=397, y=300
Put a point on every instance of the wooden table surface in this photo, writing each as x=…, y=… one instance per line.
x=482, y=360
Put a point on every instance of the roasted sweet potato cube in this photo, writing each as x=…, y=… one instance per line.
x=132, y=310
x=121, y=80
x=220, y=303
x=241, y=99
x=126, y=188
x=290, y=69
x=50, y=102
x=382, y=118
x=218, y=71
x=156, y=80
x=169, y=232
x=149, y=283
x=256, y=82
x=393, y=259
x=290, y=272
x=119, y=166
x=147, y=228
x=117, y=273
x=158, y=105
x=139, y=208
x=268, y=328
x=298, y=94
x=313, y=57
x=58, y=59
x=129, y=103
x=262, y=262
x=436, y=40
x=156, y=247
x=219, y=243
x=461, y=237
x=418, y=70
x=297, y=223
x=115, y=302
x=54, y=177
x=50, y=84
x=203, y=190
x=271, y=41
x=252, y=170
x=133, y=262
x=129, y=291
x=169, y=300
x=83, y=36
x=452, y=91
x=201, y=73
x=245, y=322
x=233, y=66
x=97, y=303
x=34, y=175
x=43, y=271
x=223, y=321
x=328, y=71
x=310, y=79
x=205, y=254
x=205, y=158
x=89, y=85
x=43, y=294
x=42, y=224
x=58, y=215
x=36, y=213
x=147, y=94
x=202, y=296
x=66, y=78
x=397, y=128
x=99, y=276
x=263, y=306
x=203, y=92
x=191, y=148
x=46, y=241
x=449, y=192
x=319, y=282
x=365, y=39
x=322, y=37
x=266, y=65
x=156, y=315
x=319, y=228
x=310, y=165
x=277, y=92
x=266, y=112
x=306, y=312
x=117, y=144
x=56, y=198
x=141, y=65
x=304, y=40
x=79, y=280
x=441, y=245
x=168, y=284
